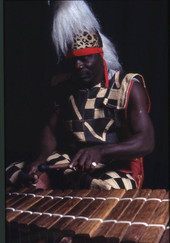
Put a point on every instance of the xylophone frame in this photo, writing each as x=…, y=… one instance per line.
x=139, y=215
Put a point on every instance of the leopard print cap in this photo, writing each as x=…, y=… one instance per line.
x=85, y=40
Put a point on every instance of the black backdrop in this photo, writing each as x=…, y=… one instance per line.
x=139, y=30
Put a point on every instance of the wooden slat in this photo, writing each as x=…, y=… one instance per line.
x=13, y=232
x=62, y=223
x=91, y=210
x=44, y=205
x=134, y=232
x=38, y=206
x=22, y=221
x=25, y=206
x=93, y=206
x=115, y=214
x=65, y=207
x=149, y=212
x=56, y=205
x=89, y=227
x=16, y=200
x=161, y=216
x=118, y=230
x=10, y=198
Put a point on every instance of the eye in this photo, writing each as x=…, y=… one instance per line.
x=86, y=57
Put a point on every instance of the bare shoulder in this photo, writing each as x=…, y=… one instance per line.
x=138, y=97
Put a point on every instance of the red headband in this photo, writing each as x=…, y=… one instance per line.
x=89, y=51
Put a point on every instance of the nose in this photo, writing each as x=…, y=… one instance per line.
x=79, y=64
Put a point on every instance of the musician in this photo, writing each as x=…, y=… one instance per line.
x=99, y=125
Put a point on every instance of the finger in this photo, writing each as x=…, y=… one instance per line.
x=74, y=161
x=89, y=161
x=35, y=177
x=33, y=170
x=37, y=174
x=83, y=160
x=88, y=164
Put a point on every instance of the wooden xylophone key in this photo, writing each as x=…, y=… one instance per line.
x=22, y=221
x=117, y=230
x=65, y=208
x=9, y=197
x=90, y=211
x=96, y=218
x=144, y=216
x=115, y=214
x=44, y=199
x=13, y=196
x=65, y=203
x=130, y=216
x=159, y=220
x=12, y=213
x=41, y=206
x=69, y=203
x=21, y=199
x=23, y=204
x=40, y=214
x=62, y=223
x=60, y=208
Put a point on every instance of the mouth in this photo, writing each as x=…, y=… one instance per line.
x=82, y=75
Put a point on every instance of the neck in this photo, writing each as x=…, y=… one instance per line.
x=96, y=80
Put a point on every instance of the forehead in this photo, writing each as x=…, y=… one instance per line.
x=90, y=57
x=92, y=60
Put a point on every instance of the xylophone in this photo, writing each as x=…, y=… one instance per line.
x=88, y=215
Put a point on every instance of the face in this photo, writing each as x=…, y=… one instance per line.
x=87, y=70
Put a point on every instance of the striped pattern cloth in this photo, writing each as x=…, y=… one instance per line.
x=107, y=180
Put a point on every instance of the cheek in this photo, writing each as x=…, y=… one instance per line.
x=97, y=66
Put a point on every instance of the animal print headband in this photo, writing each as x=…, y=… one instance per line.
x=87, y=43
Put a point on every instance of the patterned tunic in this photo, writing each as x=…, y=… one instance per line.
x=91, y=117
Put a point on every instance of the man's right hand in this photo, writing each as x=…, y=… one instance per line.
x=31, y=173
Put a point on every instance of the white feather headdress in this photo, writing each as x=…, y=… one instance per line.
x=71, y=17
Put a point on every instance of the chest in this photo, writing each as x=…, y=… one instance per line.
x=87, y=105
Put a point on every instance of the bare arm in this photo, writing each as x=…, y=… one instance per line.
x=140, y=143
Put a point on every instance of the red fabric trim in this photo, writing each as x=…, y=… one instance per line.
x=84, y=52
x=125, y=171
x=137, y=171
x=89, y=51
x=105, y=74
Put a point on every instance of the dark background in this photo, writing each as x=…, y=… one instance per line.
x=139, y=30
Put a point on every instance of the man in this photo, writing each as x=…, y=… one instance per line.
x=100, y=127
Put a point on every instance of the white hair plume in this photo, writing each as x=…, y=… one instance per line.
x=110, y=54
x=72, y=16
